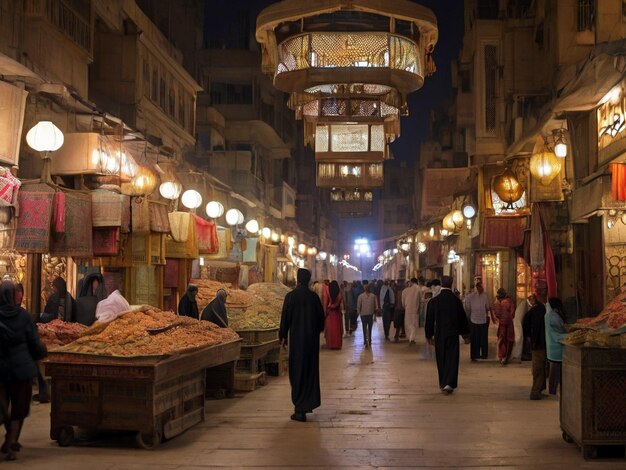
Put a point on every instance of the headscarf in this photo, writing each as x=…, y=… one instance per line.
x=192, y=290
x=334, y=290
x=304, y=276
x=85, y=288
x=216, y=310
x=7, y=298
x=60, y=285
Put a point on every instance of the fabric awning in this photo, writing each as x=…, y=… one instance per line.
x=503, y=232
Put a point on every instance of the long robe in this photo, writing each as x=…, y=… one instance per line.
x=445, y=321
x=302, y=321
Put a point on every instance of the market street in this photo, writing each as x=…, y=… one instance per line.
x=380, y=408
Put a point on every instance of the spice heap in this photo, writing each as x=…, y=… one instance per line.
x=57, y=332
x=257, y=317
x=272, y=293
x=607, y=330
x=237, y=299
x=149, y=332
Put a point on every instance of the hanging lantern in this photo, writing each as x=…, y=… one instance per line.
x=191, y=199
x=508, y=187
x=448, y=223
x=457, y=218
x=143, y=183
x=469, y=211
x=252, y=227
x=301, y=248
x=545, y=166
x=266, y=232
x=421, y=247
x=214, y=209
x=170, y=190
x=234, y=216
x=45, y=137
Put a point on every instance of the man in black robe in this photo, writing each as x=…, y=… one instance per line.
x=445, y=321
x=301, y=323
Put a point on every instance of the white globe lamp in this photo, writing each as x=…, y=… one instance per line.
x=44, y=137
x=214, y=209
x=233, y=216
x=252, y=227
x=191, y=199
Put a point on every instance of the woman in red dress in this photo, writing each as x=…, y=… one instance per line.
x=333, y=330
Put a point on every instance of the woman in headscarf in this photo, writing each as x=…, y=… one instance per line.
x=20, y=348
x=91, y=291
x=188, y=306
x=216, y=310
x=61, y=305
x=333, y=330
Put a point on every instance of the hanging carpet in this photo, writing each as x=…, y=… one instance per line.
x=76, y=238
x=35, y=216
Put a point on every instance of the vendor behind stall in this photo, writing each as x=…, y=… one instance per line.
x=61, y=305
x=216, y=310
x=91, y=290
x=188, y=305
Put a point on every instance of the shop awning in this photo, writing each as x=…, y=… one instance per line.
x=503, y=232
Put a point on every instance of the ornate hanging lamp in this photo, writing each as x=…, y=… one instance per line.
x=508, y=188
x=545, y=165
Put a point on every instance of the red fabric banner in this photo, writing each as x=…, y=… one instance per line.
x=503, y=232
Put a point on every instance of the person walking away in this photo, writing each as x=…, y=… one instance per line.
x=366, y=306
x=435, y=287
x=216, y=311
x=91, y=291
x=346, y=293
x=398, y=313
x=21, y=349
x=504, y=314
x=301, y=322
x=555, y=332
x=518, y=348
x=387, y=301
x=411, y=298
x=61, y=305
x=188, y=305
x=333, y=330
x=445, y=322
x=357, y=289
x=535, y=331
x=478, y=311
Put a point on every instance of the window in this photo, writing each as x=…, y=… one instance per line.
x=586, y=15
x=155, y=84
x=172, y=103
x=181, y=109
x=146, y=78
x=162, y=102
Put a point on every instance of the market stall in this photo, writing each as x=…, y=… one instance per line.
x=593, y=397
x=145, y=371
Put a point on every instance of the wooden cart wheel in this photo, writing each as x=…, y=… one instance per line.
x=65, y=436
x=567, y=438
x=149, y=441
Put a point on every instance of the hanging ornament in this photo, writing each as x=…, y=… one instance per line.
x=508, y=188
x=545, y=166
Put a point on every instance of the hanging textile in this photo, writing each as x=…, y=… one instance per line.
x=9, y=187
x=105, y=241
x=550, y=268
x=140, y=215
x=35, y=216
x=179, y=225
x=618, y=181
x=110, y=209
x=159, y=220
x=76, y=239
x=537, y=259
x=503, y=232
x=208, y=242
x=58, y=212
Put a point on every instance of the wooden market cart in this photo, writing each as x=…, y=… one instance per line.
x=156, y=396
x=593, y=398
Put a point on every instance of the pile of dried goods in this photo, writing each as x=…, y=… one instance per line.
x=149, y=332
x=272, y=293
x=237, y=299
x=607, y=330
x=57, y=332
x=257, y=317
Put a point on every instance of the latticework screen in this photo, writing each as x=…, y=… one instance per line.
x=341, y=49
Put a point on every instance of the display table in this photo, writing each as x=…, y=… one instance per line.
x=593, y=397
x=156, y=396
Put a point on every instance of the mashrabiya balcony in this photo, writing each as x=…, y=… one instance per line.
x=350, y=175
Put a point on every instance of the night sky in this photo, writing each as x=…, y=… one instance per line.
x=222, y=14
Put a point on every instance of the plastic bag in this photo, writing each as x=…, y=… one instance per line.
x=110, y=308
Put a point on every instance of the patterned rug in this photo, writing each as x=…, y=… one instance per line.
x=105, y=241
x=33, y=225
x=77, y=238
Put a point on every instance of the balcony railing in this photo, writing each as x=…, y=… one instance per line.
x=347, y=175
x=339, y=49
x=65, y=19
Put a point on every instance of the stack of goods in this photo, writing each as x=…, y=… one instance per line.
x=607, y=330
x=149, y=332
x=58, y=333
x=265, y=312
x=272, y=293
x=237, y=300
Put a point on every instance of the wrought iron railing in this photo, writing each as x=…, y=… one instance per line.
x=340, y=49
x=63, y=17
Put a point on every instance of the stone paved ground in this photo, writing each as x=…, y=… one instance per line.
x=380, y=408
